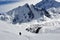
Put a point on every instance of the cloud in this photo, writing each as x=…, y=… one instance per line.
x=8, y=1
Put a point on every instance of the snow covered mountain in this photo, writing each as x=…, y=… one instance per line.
x=45, y=10
x=42, y=11
x=44, y=17
x=48, y=4
x=26, y=13
x=52, y=6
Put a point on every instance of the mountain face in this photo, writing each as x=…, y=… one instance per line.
x=52, y=6
x=21, y=14
x=48, y=4
x=46, y=9
x=26, y=13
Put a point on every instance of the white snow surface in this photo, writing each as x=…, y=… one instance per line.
x=11, y=32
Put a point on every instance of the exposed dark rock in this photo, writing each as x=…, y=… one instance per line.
x=37, y=31
x=15, y=20
x=46, y=13
x=19, y=33
x=31, y=15
x=33, y=30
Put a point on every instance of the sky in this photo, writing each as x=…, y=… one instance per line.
x=8, y=1
x=2, y=2
x=13, y=1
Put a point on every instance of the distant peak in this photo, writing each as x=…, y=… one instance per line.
x=48, y=4
x=48, y=0
x=26, y=4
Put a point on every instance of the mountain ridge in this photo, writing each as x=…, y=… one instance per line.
x=48, y=4
x=26, y=13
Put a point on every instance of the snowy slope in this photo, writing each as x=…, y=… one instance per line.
x=11, y=32
x=54, y=12
x=8, y=36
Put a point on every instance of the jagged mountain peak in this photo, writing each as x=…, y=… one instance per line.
x=26, y=4
x=48, y=4
x=48, y=0
x=20, y=14
x=26, y=13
